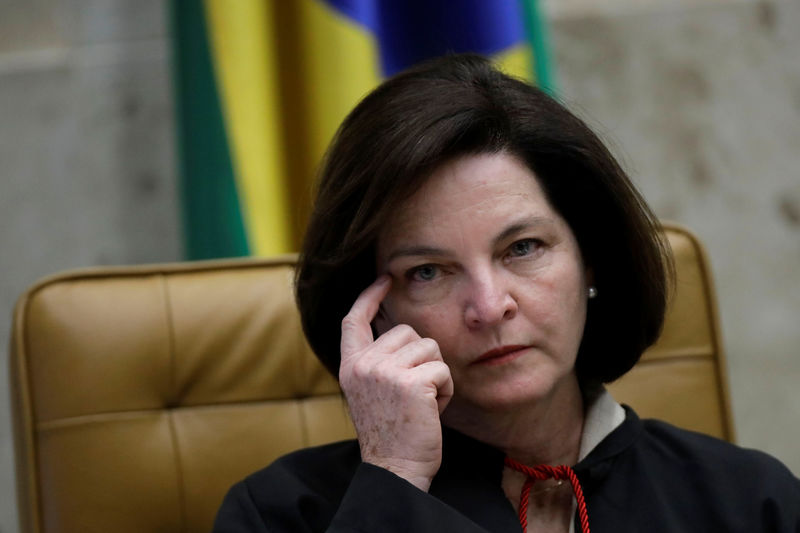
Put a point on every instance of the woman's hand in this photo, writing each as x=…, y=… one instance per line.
x=396, y=388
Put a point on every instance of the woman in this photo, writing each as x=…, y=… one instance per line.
x=476, y=267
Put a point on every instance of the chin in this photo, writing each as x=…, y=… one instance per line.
x=497, y=401
x=519, y=393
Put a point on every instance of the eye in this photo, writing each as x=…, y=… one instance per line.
x=423, y=273
x=523, y=247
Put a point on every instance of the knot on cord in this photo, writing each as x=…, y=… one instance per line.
x=540, y=473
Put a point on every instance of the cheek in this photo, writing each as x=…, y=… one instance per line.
x=557, y=304
x=437, y=320
x=420, y=304
x=573, y=314
x=425, y=294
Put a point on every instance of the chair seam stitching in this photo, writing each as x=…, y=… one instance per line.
x=173, y=378
x=710, y=302
x=303, y=423
x=173, y=389
x=48, y=424
x=178, y=470
x=676, y=358
x=36, y=521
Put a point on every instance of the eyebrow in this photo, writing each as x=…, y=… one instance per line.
x=416, y=251
x=514, y=228
x=522, y=225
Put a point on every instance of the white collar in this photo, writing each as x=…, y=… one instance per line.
x=603, y=415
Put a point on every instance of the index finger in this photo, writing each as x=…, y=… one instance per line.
x=356, y=328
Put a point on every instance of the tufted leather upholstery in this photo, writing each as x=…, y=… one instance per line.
x=140, y=394
x=682, y=378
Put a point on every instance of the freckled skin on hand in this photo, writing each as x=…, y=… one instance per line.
x=389, y=384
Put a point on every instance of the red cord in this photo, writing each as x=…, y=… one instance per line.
x=542, y=472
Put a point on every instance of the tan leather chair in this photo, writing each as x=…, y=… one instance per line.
x=141, y=394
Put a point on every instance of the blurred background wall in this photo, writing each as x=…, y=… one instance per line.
x=700, y=100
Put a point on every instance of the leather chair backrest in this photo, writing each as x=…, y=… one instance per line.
x=140, y=394
x=682, y=378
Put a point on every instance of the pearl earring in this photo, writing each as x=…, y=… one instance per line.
x=592, y=292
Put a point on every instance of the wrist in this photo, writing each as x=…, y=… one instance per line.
x=411, y=471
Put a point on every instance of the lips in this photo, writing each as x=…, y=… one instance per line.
x=501, y=354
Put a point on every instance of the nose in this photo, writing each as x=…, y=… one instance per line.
x=489, y=300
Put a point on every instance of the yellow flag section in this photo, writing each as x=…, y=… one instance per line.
x=287, y=73
x=262, y=86
x=517, y=61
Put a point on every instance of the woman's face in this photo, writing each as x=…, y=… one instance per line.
x=482, y=264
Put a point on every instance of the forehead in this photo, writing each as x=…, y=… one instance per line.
x=473, y=193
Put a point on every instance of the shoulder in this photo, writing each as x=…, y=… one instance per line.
x=326, y=468
x=658, y=453
x=697, y=450
x=723, y=475
x=690, y=480
x=300, y=491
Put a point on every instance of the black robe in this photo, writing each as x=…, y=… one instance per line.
x=644, y=476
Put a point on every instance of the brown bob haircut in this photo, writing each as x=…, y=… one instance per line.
x=458, y=105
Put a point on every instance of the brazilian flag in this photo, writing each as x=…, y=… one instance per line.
x=262, y=85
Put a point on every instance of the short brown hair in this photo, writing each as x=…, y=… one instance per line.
x=457, y=105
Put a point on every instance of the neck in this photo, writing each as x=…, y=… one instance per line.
x=544, y=431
